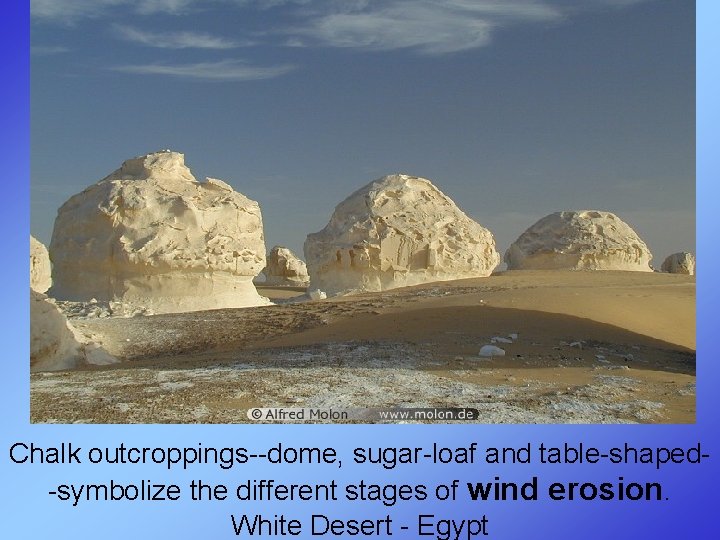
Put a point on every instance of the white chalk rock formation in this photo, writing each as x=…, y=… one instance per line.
x=396, y=231
x=585, y=240
x=40, y=272
x=152, y=237
x=679, y=263
x=283, y=267
x=53, y=344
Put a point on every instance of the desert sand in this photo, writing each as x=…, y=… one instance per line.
x=591, y=347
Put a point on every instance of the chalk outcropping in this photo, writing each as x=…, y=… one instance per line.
x=285, y=268
x=151, y=236
x=53, y=343
x=40, y=270
x=679, y=263
x=398, y=230
x=584, y=240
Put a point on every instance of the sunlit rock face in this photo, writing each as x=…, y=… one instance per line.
x=53, y=343
x=40, y=272
x=283, y=267
x=150, y=235
x=583, y=240
x=398, y=230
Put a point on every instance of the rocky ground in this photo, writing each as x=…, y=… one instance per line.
x=415, y=347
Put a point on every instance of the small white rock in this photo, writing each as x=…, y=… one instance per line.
x=317, y=294
x=497, y=339
x=513, y=336
x=488, y=351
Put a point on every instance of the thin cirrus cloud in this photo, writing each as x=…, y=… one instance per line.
x=48, y=50
x=429, y=26
x=71, y=11
x=223, y=70
x=68, y=11
x=175, y=40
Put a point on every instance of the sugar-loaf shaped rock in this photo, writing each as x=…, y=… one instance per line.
x=150, y=235
x=396, y=231
x=582, y=240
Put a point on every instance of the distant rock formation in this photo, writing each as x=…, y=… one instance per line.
x=396, y=231
x=40, y=271
x=152, y=237
x=584, y=240
x=679, y=263
x=283, y=267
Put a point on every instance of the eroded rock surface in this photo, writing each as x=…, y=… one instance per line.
x=154, y=238
x=679, y=263
x=285, y=268
x=53, y=343
x=40, y=270
x=396, y=231
x=584, y=240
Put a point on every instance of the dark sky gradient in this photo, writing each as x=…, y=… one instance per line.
x=564, y=105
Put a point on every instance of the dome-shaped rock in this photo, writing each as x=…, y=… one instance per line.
x=584, y=240
x=679, y=263
x=398, y=230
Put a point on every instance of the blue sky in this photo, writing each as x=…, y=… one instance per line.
x=514, y=108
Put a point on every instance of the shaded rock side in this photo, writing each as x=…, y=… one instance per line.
x=151, y=236
x=396, y=231
x=583, y=240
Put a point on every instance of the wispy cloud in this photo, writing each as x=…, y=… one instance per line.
x=48, y=50
x=174, y=40
x=224, y=70
x=430, y=26
x=66, y=11
x=164, y=6
x=433, y=27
